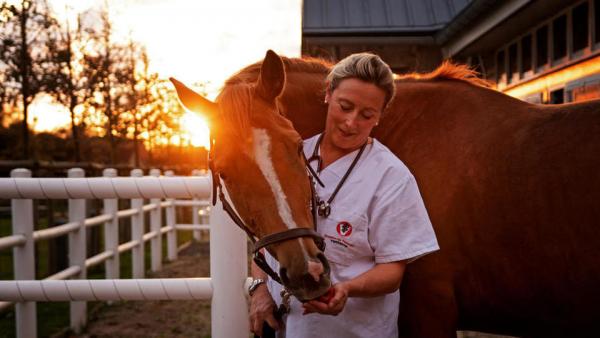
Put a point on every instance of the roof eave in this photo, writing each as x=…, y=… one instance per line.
x=474, y=21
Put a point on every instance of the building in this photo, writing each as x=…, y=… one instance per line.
x=542, y=51
x=402, y=32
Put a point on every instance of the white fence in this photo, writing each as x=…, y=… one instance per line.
x=228, y=263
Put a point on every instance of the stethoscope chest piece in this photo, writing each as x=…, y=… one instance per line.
x=323, y=209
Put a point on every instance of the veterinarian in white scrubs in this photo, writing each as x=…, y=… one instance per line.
x=371, y=215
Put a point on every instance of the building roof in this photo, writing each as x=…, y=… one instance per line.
x=351, y=17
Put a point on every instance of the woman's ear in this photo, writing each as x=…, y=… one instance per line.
x=327, y=95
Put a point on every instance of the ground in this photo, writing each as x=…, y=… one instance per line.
x=159, y=318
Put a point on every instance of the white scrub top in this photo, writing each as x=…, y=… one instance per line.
x=378, y=216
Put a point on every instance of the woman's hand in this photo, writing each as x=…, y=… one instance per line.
x=333, y=307
x=262, y=308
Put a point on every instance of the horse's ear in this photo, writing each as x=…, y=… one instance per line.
x=194, y=101
x=272, y=76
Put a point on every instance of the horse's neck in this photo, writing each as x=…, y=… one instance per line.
x=450, y=100
x=453, y=110
x=303, y=102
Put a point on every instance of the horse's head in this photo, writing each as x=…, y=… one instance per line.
x=258, y=155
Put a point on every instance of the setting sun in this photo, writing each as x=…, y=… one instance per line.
x=197, y=129
x=200, y=43
x=45, y=115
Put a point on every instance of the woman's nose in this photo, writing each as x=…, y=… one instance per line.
x=350, y=120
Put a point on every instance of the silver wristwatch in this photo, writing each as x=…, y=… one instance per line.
x=254, y=285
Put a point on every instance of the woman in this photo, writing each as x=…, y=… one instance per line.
x=370, y=213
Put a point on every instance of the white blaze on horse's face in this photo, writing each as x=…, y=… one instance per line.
x=264, y=160
x=262, y=155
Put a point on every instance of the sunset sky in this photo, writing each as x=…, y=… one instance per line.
x=194, y=40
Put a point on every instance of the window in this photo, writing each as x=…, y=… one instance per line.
x=557, y=96
x=533, y=98
x=501, y=71
x=526, y=53
x=586, y=93
x=513, y=71
x=597, y=21
x=579, y=27
x=559, y=37
x=542, y=46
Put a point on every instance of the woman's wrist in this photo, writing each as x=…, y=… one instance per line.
x=260, y=290
x=347, y=287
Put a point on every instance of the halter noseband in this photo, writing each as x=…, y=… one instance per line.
x=259, y=243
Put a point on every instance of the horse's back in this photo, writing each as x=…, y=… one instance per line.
x=515, y=211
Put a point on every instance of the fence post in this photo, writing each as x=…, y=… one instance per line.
x=24, y=258
x=137, y=232
x=195, y=211
x=78, y=252
x=171, y=221
x=205, y=216
x=228, y=272
x=155, y=225
x=111, y=232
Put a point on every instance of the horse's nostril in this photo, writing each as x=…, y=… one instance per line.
x=325, y=262
x=315, y=269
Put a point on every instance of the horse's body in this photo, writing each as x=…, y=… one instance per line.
x=513, y=192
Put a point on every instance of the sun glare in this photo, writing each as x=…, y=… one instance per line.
x=45, y=115
x=197, y=129
x=174, y=51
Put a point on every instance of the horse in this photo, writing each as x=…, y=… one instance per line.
x=510, y=188
x=270, y=198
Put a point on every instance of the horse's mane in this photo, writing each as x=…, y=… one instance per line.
x=449, y=70
x=236, y=96
x=307, y=65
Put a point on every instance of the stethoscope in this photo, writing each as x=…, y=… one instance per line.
x=324, y=207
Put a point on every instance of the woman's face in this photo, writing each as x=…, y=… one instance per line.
x=354, y=108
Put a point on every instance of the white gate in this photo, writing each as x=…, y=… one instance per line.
x=228, y=246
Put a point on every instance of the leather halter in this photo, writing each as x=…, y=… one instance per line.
x=259, y=243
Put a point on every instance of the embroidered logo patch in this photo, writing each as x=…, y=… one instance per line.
x=344, y=229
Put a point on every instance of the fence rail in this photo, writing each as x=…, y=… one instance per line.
x=228, y=246
x=107, y=290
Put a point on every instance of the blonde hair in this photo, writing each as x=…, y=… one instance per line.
x=367, y=67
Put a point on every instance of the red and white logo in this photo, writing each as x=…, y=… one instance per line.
x=344, y=229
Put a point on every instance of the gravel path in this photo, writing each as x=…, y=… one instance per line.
x=159, y=318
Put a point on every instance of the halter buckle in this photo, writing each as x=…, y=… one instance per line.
x=284, y=307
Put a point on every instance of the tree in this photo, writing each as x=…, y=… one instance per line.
x=24, y=38
x=70, y=83
x=163, y=112
x=139, y=94
x=109, y=77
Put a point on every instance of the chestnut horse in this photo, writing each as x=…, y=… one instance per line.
x=257, y=154
x=512, y=190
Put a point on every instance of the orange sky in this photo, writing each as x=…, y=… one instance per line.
x=193, y=40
